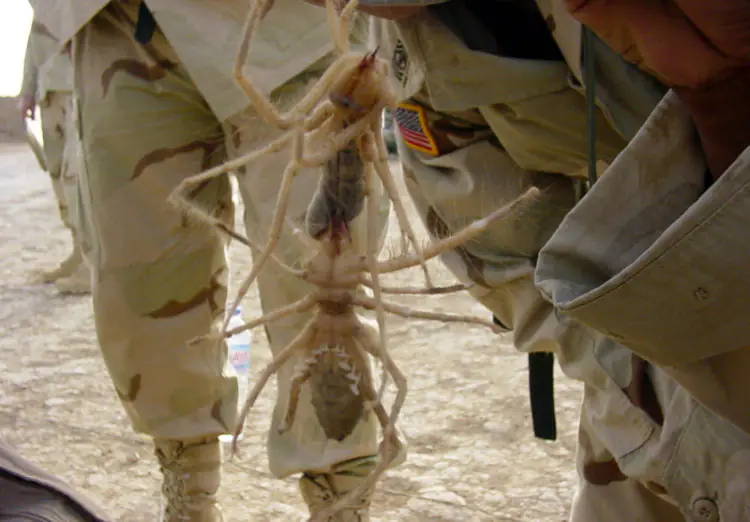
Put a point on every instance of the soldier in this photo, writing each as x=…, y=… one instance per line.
x=492, y=102
x=158, y=103
x=48, y=83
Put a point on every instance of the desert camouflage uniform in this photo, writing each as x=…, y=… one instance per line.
x=48, y=78
x=151, y=115
x=476, y=130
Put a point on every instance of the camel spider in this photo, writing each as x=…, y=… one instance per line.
x=335, y=343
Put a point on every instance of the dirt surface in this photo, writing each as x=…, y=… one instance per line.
x=472, y=453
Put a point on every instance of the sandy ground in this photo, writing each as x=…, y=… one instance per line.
x=472, y=455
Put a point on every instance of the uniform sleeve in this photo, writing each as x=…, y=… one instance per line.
x=30, y=69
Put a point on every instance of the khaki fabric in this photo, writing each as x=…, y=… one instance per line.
x=62, y=150
x=54, y=114
x=647, y=449
x=27, y=492
x=45, y=68
x=48, y=77
x=665, y=274
x=206, y=35
x=161, y=279
x=538, y=115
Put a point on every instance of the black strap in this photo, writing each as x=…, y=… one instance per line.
x=542, y=394
x=145, y=26
x=542, y=365
x=589, y=78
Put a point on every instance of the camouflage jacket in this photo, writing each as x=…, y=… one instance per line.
x=206, y=34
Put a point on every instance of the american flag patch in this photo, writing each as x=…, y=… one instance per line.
x=412, y=125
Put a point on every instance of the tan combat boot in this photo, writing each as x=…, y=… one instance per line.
x=192, y=473
x=79, y=282
x=64, y=269
x=322, y=490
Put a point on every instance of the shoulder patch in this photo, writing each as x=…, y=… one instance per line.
x=412, y=125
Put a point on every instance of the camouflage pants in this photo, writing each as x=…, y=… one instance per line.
x=161, y=280
x=62, y=153
x=641, y=435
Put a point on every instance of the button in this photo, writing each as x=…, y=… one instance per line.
x=705, y=510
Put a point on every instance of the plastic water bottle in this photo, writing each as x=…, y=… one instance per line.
x=239, y=359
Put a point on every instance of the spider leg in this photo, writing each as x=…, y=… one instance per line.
x=302, y=373
x=320, y=89
x=405, y=311
x=381, y=167
x=277, y=222
x=260, y=102
x=300, y=306
x=505, y=212
x=438, y=290
x=341, y=140
x=320, y=138
x=321, y=113
x=176, y=197
x=345, y=21
x=388, y=448
x=334, y=26
x=389, y=427
x=302, y=341
x=253, y=245
x=372, y=267
x=399, y=379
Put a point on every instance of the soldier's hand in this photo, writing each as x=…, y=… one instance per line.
x=26, y=106
x=701, y=48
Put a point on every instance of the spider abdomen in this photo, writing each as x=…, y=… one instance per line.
x=334, y=386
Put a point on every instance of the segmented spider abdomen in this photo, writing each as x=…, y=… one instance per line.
x=334, y=386
x=339, y=198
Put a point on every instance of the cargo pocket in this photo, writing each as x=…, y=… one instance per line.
x=709, y=472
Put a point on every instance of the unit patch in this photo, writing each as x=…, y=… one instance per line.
x=400, y=61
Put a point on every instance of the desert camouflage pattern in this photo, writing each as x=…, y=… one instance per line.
x=647, y=449
x=57, y=123
x=48, y=77
x=64, y=161
x=46, y=68
x=205, y=34
x=674, y=235
x=161, y=278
